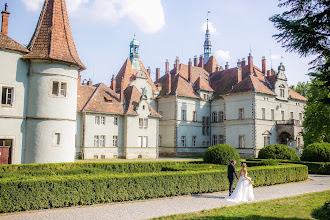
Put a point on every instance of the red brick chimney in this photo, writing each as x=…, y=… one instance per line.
x=189, y=70
x=149, y=70
x=122, y=91
x=169, y=83
x=177, y=65
x=167, y=67
x=113, y=83
x=5, y=18
x=79, y=79
x=239, y=74
x=269, y=72
x=89, y=83
x=201, y=61
x=217, y=68
x=226, y=66
x=157, y=73
x=243, y=63
x=263, y=63
x=250, y=63
x=195, y=61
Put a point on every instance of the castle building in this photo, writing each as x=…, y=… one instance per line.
x=48, y=114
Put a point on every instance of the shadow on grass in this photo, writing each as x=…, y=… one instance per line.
x=322, y=213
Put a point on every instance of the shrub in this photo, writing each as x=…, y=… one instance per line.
x=317, y=152
x=64, y=191
x=221, y=154
x=278, y=151
x=268, y=162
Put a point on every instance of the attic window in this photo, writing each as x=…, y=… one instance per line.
x=107, y=100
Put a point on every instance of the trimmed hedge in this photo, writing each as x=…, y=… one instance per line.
x=278, y=151
x=221, y=154
x=316, y=152
x=64, y=191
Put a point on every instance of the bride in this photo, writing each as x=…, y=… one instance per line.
x=244, y=190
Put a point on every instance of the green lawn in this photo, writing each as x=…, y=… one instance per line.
x=300, y=207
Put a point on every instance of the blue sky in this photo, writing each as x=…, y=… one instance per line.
x=103, y=29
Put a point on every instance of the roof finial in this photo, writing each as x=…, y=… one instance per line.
x=207, y=20
x=6, y=7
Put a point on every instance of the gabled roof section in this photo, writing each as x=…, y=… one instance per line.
x=202, y=84
x=211, y=65
x=7, y=43
x=294, y=95
x=127, y=74
x=195, y=72
x=52, y=38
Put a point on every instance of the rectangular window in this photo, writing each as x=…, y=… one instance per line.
x=282, y=115
x=57, y=139
x=206, y=125
x=145, y=141
x=221, y=116
x=183, y=115
x=194, y=116
x=241, y=113
x=96, y=141
x=291, y=115
x=194, y=142
x=298, y=142
x=7, y=96
x=115, y=141
x=214, y=117
x=183, y=141
x=241, y=142
x=272, y=116
x=102, y=140
x=265, y=141
x=115, y=120
x=282, y=93
x=96, y=157
x=145, y=122
x=268, y=140
x=214, y=140
x=300, y=116
x=221, y=139
x=207, y=143
x=97, y=120
x=59, y=89
x=102, y=120
x=140, y=122
x=102, y=156
x=160, y=141
x=263, y=110
x=140, y=141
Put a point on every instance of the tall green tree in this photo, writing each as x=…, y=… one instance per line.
x=305, y=29
x=302, y=88
x=317, y=114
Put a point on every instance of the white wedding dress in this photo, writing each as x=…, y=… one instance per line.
x=243, y=191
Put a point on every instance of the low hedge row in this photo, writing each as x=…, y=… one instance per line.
x=64, y=191
x=117, y=167
x=322, y=168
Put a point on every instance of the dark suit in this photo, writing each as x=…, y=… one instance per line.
x=231, y=176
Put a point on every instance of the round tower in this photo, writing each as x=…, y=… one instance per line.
x=134, y=53
x=52, y=98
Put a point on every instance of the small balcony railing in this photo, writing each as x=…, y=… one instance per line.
x=290, y=122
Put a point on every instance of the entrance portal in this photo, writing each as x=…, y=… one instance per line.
x=5, y=151
x=284, y=137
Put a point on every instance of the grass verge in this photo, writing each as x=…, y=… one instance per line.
x=299, y=208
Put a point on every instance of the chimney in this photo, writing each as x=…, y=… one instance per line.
x=189, y=70
x=5, y=18
x=243, y=63
x=263, y=62
x=167, y=67
x=239, y=72
x=157, y=73
x=177, y=65
x=122, y=91
x=217, y=68
x=169, y=83
x=149, y=70
x=250, y=63
x=113, y=83
x=201, y=61
x=79, y=79
x=269, y=72
x=195, y=60
x=226, y=66
x=89, y=83
x=84, y=82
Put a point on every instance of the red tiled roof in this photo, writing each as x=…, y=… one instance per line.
x=52, y=38
x=294, y=95
x=127, y=74
x=9, y=44
x=211, y=65
x=195, y=72
x=202, y=84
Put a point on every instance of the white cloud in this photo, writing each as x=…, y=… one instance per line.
x=275, y=57
x=222, y=55
x=211, y=28
x=147, y=15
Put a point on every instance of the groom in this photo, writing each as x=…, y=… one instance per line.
x=231, y=175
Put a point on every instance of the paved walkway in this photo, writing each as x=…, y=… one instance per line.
x=174, y=205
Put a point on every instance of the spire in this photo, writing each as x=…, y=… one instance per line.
x=52, y=38
x=207, y=42
x=134, y=53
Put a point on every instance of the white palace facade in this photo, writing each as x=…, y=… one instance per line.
x=49, y=115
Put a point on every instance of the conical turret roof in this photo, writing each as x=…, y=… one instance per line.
x=52, y=38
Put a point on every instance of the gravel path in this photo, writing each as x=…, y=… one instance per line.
x=174, y=205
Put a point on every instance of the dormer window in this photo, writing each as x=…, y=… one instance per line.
x=282, y=93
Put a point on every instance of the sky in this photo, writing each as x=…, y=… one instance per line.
x=103, y=29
